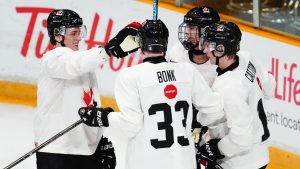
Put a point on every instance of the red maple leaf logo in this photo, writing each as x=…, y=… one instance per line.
x=88, y=97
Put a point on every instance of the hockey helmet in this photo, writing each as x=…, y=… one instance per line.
x=197, y=18
x=153, y=36
x=223, y=37
x=60, y=19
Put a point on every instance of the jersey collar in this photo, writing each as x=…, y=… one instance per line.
x=155, y=60
x=229, y=68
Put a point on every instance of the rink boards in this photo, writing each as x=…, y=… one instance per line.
x=26, y=40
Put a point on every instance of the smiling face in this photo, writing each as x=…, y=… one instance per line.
x=72, y=37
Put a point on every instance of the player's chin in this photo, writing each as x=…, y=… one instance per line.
x=75, y=47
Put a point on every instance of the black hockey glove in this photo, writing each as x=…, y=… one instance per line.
x=197, y=129
x=207, y=163
x=106, y=153
x=95, y=117
x=124, y=42
x=210, y=150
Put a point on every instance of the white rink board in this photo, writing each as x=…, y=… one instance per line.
x=16, y=128
x=20, y=57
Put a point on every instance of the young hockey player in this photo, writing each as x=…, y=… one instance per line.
x=67, y=82
x=189, y=33
x=155, y=99
x=242, y=141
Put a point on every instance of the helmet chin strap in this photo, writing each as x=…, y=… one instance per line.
x=218, y=58
x=198, y=52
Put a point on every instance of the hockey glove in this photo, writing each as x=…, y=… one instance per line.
x=106, y=153
x=207, y=163
x=210, y=150
x=95, y=117
x=124, y=42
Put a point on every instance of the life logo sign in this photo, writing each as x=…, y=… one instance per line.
x=170, y=91
x=287, y=80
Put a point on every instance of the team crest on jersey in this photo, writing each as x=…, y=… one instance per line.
x=88, y=97
x=170, y=91
x=205, y=10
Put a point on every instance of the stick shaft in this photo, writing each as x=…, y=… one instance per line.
x=155, y=8
x=44, y=144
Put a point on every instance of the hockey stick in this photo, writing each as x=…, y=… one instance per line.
x=155, y=9
x=44, y=144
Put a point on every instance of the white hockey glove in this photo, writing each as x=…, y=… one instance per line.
x=124, y=42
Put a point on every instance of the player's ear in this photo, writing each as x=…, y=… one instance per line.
x=58, y=38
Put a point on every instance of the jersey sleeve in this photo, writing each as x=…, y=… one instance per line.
x=267, y=81
x=130, y=117
x=239, y=122
x=210, y=104
x=65, y=63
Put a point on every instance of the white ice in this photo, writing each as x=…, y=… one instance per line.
x=16, y=137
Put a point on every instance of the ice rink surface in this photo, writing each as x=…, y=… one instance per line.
x=16, y=130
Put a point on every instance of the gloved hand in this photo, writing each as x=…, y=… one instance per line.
x=106, y=153
x=207, y=164
x=95, y=117
x=124, y=42
x=210, y=150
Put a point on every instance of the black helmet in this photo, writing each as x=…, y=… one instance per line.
x=61, y=18
x=200, y=17
x=153, y=36
x=224, y=33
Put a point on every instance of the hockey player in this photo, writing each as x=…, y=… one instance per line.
x=67, y=81
x=189, y=33
x=155, y=99
x=241, y=142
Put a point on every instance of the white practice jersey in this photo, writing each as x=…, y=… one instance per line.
x=66, y=83
x=179, y=54
x=245, y=135
x=155, y=101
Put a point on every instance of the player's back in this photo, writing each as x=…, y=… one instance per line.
x=164, y=141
